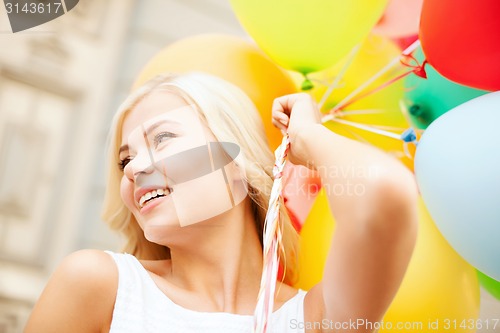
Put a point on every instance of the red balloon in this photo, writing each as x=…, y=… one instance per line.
x=461, y=40
x=300, y=188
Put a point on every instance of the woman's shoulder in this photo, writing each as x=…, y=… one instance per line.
x=87, y=258
x=79, y=295
x=89, y=267
x=93, y=271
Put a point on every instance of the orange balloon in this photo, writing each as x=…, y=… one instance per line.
x=230, y=58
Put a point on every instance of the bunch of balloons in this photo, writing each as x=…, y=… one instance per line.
x=430, y=106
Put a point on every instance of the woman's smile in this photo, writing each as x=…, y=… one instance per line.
x=147, y=195
x=154, y=202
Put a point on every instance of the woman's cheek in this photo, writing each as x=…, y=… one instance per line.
x=127, y=193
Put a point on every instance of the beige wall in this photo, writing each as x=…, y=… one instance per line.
x=56, y=83
x=59, y=86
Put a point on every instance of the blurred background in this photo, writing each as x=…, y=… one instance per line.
x=60, y=84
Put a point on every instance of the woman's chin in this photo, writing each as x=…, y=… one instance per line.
x=160, y=232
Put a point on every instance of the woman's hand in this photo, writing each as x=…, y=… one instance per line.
x=296, y=114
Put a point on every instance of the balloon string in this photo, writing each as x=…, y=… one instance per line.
x=385, y=69
x=418, y=69
x=374, y=90
x=390, y=128
x=339, y=77
x=342, y=113
x=366, y=128
x=272, y=239
x=356, y=112
x=408, y=136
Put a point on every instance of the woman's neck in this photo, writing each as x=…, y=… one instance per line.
x=224, y=262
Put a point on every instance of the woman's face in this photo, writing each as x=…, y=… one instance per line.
x=174, y=172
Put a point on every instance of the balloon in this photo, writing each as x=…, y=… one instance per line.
x=315, y=238
x=491, y=285
x=232, y=59
x=460, y=39
x=401, y=19
x=457, y=168
x=300, y=188
x=430, y=98
x=381, y=108
x=439, y=287
x=308, y=36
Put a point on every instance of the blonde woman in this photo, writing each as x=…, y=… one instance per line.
x=189, y=180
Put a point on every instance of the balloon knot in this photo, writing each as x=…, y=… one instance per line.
x=306, y=85
x=416, y=110
x=420, y=70
x=409, y=135
x=410, y=61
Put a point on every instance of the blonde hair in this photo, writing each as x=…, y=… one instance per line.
x=232, y=117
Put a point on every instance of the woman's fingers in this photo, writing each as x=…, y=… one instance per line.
x=280, y=118
x=298, y=109
x=279, y=125
x=282, y=108
x=284, y=104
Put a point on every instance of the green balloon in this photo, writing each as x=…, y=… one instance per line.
x=427, y=99
x=491, y=285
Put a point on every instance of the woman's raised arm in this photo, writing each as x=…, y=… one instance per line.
x=373, y=199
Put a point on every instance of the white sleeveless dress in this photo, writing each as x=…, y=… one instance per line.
x=141, y=307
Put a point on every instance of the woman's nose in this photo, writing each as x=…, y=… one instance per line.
x=140, y=164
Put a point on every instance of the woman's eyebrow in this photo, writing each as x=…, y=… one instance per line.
x=159, y=123
x=149, y=130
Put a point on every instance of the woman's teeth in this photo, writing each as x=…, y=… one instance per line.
x=152, y=195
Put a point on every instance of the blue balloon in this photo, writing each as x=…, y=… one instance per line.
x=457, y=166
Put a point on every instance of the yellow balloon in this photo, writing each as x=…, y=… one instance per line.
x=315, y=238
x=381, y=108
x=440, y=289
x=232, y=59
x=308, y=36
x=439, y=286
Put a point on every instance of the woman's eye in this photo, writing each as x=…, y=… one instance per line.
x=123, y=163
x=160, y=137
